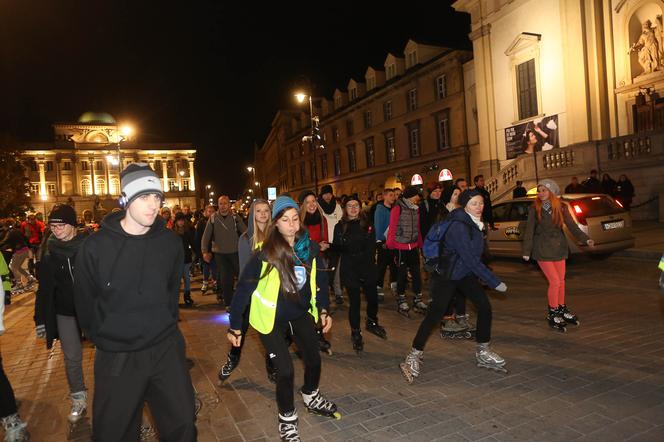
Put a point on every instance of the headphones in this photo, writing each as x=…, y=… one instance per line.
x=123, y=201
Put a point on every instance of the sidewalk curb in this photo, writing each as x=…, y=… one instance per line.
x=643, y=254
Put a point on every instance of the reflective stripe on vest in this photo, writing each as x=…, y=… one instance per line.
x=263, y=309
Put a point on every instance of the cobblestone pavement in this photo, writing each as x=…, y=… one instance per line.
x=601, y=381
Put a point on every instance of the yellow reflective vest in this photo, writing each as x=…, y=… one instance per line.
x=263, y=309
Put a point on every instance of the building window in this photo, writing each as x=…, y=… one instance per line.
x=85, y=165
x=173, y=186
x=337, y=102
x=527, y=89
x=99, y=165
x=353, y=94
x=370, y=152
x=157, y=167
x=412, y=59
x=185, y=185
x=335, y=134
x=414, y=139
x=443, y=129
x=387, y=110
x=34, y=189
x=441, y=87
x=349, y=127
x=50, y=188
x=303, y=173
x=170, y=164
x=115, y=186
x=337, y=162
x=323, y=165
x=371, y=83
x=293, y=176
x=100, y=186
x=85, y=187
x=391, y=71
x=66, y=165
x=390, y=147
x=33, y=166
x=412, y=99
x=352, y=159
x=49, y=166
x=368, y=119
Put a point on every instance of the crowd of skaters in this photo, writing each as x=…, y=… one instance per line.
x=118, y=281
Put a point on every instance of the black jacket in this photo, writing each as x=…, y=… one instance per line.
x=127, y=286
x=55, y=295
x=356, y=247
x=188, y=243
x=429, y=214
x=487, y=213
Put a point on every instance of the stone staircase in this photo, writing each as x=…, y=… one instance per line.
x=639, y=156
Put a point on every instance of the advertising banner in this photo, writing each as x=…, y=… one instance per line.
x=532, y=136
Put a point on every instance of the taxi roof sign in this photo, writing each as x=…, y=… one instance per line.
x=445, y=175
x=416, y=180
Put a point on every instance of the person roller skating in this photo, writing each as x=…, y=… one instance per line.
x=405, y=239
x=458, y=243
x=354, y=240
x=456, y=327
x=545, y=241
x=288, y=292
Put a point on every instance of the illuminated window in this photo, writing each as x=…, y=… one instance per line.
x=85, y=187
x=441, y=87
x=100, y=186
x=115, y=186
x=50, y=188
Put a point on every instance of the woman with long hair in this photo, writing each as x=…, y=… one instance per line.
x=545, y=242
x=250, y=242
x=458, y=267
x=287, y=288
x=355, y=241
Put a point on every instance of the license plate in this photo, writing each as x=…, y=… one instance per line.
x=613, y=225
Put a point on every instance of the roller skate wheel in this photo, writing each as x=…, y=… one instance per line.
x=336, y=415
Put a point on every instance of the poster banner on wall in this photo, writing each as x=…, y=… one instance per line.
x=532, y=136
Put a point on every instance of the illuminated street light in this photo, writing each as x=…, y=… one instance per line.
x=126, y=130
x=314, y=136
x=256, y=183
x=208, y=186
x=250, y=169
x=301, y=97
x=182, y=173
x=211, y=193
x=113, y=160
x=251, y=190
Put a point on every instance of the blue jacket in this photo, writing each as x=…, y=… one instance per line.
x=467, y=241
x=381, y=221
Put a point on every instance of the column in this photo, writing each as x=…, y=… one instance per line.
x=192, y=181
x=108, y=177
x=76, y=182
x=91, y=160
x=58, y=178
x=164, y=170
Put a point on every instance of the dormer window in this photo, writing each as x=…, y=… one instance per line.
x=412, y=59
x=391, y=71
x=337, y=102
x=353, y=94
x=371, y=83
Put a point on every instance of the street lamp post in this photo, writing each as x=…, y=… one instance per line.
x=312, y=138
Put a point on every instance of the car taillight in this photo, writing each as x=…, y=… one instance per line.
x=580, y=216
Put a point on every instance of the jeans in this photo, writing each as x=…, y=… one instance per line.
x=186, y=277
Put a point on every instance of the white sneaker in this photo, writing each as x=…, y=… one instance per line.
x=79, y=405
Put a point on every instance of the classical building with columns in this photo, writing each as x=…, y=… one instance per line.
x=82, y=164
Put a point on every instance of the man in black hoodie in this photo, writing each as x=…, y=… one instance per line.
x=127, y=283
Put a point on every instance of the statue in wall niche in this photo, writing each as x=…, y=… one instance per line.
x=648, y=48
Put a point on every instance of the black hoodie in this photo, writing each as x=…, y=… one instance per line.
x=127, y=286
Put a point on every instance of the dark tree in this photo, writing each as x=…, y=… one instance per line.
x=14, y=191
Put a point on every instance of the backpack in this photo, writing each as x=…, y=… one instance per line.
x=440, y=261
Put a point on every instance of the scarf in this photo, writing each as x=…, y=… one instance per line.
x=312, y=219
x=302, y=247
x=546, y=205
x=328, y=208
x=410, y=205
x=66, y=248
x=478, y=222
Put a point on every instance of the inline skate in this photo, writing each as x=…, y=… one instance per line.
x=410, y=368
x=316, y=403
x=402, y=306
x=358, y=342
x=232, y=361
x=489, y=359
x=419, y=306
x=373, y=327
x=288, y=431
x=556, y=320
x=569, y=317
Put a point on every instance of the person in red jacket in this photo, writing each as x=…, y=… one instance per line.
x=33, y=230
x=313, y=219
x=405, y=237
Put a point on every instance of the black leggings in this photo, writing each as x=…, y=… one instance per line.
x=408, y=260
x=441, y=291
x=457, y=305
x=7, y=399
x=303, y=333
x=370, y=292
x=385, y=259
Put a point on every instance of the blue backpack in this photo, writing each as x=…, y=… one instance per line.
x=439, y=261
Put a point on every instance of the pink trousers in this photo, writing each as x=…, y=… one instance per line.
x=555, y=274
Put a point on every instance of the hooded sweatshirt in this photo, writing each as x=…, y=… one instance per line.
x=127, y=286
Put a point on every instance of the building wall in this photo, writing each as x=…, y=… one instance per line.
x=369, y=179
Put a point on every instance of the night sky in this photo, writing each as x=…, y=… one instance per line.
x=203, y=71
